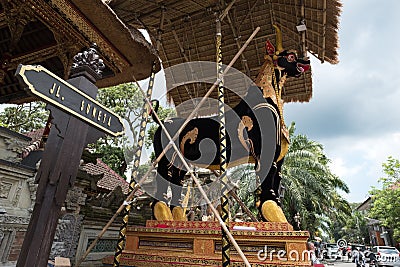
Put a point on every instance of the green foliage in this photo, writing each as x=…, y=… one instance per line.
x=385, y=201
x=163, y=113
x=111, y=154
x=354, y=229
x=25, y=117
x=127, y=101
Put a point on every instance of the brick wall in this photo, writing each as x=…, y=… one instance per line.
x=16, y=246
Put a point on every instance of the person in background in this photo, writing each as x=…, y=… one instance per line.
x=313, y=256
x=358, y=257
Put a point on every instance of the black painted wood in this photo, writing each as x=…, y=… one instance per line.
x=58, y=169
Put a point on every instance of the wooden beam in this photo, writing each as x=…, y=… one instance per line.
x=303, y=33
x=226, y=10
x=248, y=13
x=323, y=33
x=232, y=25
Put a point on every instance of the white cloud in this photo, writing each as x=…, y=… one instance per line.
x=355, y=105
x=358, y=161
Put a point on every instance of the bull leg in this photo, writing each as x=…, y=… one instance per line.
x=176, y=188
x=159, y=207
x=269, y=208
x=267, y=186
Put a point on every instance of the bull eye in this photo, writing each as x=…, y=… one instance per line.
x=291, y=57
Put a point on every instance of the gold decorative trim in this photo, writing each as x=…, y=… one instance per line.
x=130, y=259
x=38, y=68
x=90, y=32
x=214, y=225
x=276, y=234
x=191, y=136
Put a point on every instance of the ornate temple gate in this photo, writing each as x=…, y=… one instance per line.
x=51, y=33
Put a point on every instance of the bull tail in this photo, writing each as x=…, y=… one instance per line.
x=155, y=105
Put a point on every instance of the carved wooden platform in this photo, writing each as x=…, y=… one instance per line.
x=170, y=243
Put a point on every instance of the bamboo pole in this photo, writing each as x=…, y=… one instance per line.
x=136, y=161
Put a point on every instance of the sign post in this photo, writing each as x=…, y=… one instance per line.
x=77, y=120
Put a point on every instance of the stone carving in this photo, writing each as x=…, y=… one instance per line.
x=5, y=189
x=75, y=199
x=32, y=191
x=9, y=219
x=67, y=236
x=110, y=200
x=16, y=146
x=89, y=58
x=17, y=194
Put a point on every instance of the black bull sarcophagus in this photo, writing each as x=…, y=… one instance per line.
x=255, y=130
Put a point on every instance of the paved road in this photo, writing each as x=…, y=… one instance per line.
x=341, y=264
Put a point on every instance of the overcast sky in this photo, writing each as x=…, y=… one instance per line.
x=354, y=111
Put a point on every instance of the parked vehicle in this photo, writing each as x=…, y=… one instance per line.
x=330, y=251
x=386, y=256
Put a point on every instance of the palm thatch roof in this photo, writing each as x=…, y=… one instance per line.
x=186, y=31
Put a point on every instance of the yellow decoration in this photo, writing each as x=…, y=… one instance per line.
x=178, y=214
x=162, y=212
x=272, y=212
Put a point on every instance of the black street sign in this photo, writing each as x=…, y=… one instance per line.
x=54, y=90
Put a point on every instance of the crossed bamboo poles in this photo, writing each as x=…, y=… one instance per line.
x=171, y=143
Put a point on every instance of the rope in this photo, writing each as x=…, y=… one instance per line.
x=136, y=161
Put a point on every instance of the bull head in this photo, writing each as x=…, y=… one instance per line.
x=286, y=61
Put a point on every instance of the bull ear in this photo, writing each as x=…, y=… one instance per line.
x=270, y=48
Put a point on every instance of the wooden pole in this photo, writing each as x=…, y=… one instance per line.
x=61, y=158
x=136, y=161
x=226, y=245
x=134, y=176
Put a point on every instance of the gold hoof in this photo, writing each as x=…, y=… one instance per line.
x=162, y=212
x=178, y=215
x=272, y=212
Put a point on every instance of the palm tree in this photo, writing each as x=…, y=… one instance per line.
x=311, y=188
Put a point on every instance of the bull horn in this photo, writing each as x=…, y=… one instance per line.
x=279, y=46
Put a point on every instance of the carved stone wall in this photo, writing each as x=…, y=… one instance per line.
x=67, y=236
x=105, y=247
x=15, y=195
x=86, y=210
x=11, y=145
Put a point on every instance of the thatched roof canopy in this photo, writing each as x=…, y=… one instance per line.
x=186, y=29
x=51, y=33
